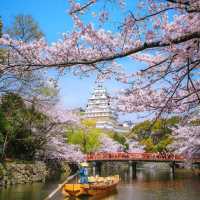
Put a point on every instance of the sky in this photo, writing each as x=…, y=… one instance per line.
x=53, y=19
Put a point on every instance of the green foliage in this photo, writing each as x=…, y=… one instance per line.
x=148, y=143
x=163, y=143
x=159, y=147
x=48, y=91
x=82, y=111
x=141, y=130
x=195, y=122
x=87, y=137
x=119, y=138
x=161, y=125
x=2, y=55
x=25, y=28
x=154, y=135
x=173, y=121
x=17, y=122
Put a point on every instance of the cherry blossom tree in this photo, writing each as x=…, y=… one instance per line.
x=109, y=145
x=56, y=146
x=135, y=147
x=187, y=141
x=57, y=149
x=166, y=38
x=59, y=114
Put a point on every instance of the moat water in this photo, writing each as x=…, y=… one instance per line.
x=150, y=184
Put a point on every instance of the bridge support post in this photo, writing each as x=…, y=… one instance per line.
x=99, y=168
x=96, y=168
x=173, y=169
x=198, y=169
x=93, y=168
x=132, y=169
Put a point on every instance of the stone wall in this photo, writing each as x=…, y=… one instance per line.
x=19, y=173
x=58, y=168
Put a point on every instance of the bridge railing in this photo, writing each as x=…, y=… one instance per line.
x=133, y=156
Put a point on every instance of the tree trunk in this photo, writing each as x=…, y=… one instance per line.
x=4, y=147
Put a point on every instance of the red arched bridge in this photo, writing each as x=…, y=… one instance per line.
x=133, y=158
x=149, y=157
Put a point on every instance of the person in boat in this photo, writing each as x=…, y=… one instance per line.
x=83, y=173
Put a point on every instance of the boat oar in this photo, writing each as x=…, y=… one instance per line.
x=60, y=186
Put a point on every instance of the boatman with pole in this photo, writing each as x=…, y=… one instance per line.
x=83, y=173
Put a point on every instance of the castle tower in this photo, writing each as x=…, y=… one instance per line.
x=99, y=108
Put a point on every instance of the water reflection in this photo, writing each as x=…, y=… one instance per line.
x=149, y=184
x=154, y=184
x=108, y=196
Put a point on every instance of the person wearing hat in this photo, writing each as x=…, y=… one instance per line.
x=83, y=173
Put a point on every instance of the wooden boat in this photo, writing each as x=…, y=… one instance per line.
x=98, y=186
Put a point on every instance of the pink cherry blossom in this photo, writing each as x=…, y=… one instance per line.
x=109, y=145
x=135, y=147
x=187, y=141
x=58, y=149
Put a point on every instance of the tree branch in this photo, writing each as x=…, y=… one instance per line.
x=144, y=46
x=82, y=7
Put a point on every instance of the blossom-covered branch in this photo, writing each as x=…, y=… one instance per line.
x=168, y=47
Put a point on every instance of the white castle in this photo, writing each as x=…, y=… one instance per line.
x=100, y=109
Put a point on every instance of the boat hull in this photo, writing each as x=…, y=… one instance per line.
x=91, y=189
